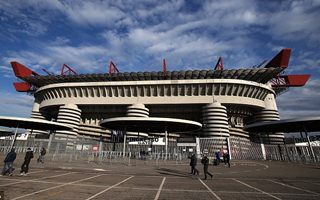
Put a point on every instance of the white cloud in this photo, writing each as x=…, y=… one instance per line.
x=92, y=13
x=6, y=71
x=60, y=40
x=158, y=8
x=16, y=20
x=225, y=15
x=296, y=20
x=16, y=104
x=82, y=58
x=301, y=101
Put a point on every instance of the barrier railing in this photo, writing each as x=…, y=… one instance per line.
x=134, y=155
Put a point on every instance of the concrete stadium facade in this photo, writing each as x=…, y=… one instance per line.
x=221, y=105
x=223, y=101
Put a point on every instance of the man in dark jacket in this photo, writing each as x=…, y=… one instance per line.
x=8, y=163
x=25, y=165
x=193, y=164
x=205, y=162
x=226, y=158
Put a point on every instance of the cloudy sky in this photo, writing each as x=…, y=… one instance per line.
x=137, y=35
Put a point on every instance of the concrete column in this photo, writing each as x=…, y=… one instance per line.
x=100, y=144
x=198, y=147
x=263, y=149
x=270, y=113
x=166, y=142
x=215, y=121
x=69, y=114
x=124, y=144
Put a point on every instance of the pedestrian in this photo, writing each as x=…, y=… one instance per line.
x=226, y=159
x=193, y=164
x=26, y=162
x=217, y=157
x=205, y=162
x=41, y=156
x=190, y=157
x=8, y=163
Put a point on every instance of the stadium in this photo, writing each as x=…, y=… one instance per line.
x=223, y=100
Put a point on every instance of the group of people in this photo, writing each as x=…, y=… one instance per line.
x=205, y=162
x=225, y=156
x=11, y=156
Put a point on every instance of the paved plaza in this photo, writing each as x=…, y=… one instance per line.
x=163, y=180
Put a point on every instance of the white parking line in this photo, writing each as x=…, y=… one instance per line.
x=115, y=185
x=256, y=189
x=160, y=188
x=214, y=194
x=290, y=186
x=37, y=171
x=54, y=187
x=22, y=181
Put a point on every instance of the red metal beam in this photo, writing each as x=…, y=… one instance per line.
x=219, y=65
x=46, y=71
x=164, y=66
x=66, y=69
x=297, y=80
x=280, y=60
x=21, y=71
x=22, y=86
x=112, y=68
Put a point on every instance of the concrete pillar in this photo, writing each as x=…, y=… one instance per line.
x=198, y=147
x=215, y=124
x=270, y=113
x=69, y=114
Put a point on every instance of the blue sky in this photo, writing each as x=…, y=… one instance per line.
x=138, y=34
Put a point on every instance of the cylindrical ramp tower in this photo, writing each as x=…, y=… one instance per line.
x=137, y=110
x=215, y=127
x=69, y=114
x=270, y=113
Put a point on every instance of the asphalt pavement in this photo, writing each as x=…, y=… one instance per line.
x=143, y=179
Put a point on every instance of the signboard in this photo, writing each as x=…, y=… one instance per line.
x=20, y=136
x=147, y=141
x=95, y=148
x=186, y=142
x=82, y=147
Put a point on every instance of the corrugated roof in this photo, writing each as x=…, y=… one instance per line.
x=260, y=75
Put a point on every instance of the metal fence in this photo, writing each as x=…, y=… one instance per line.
x=86, y=150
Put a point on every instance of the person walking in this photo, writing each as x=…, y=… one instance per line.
x=217, y=157
x=226, y=159
x=8, y=163
x=41, y=156
x=25, y=165
x=193, y=164
x=205, y=162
